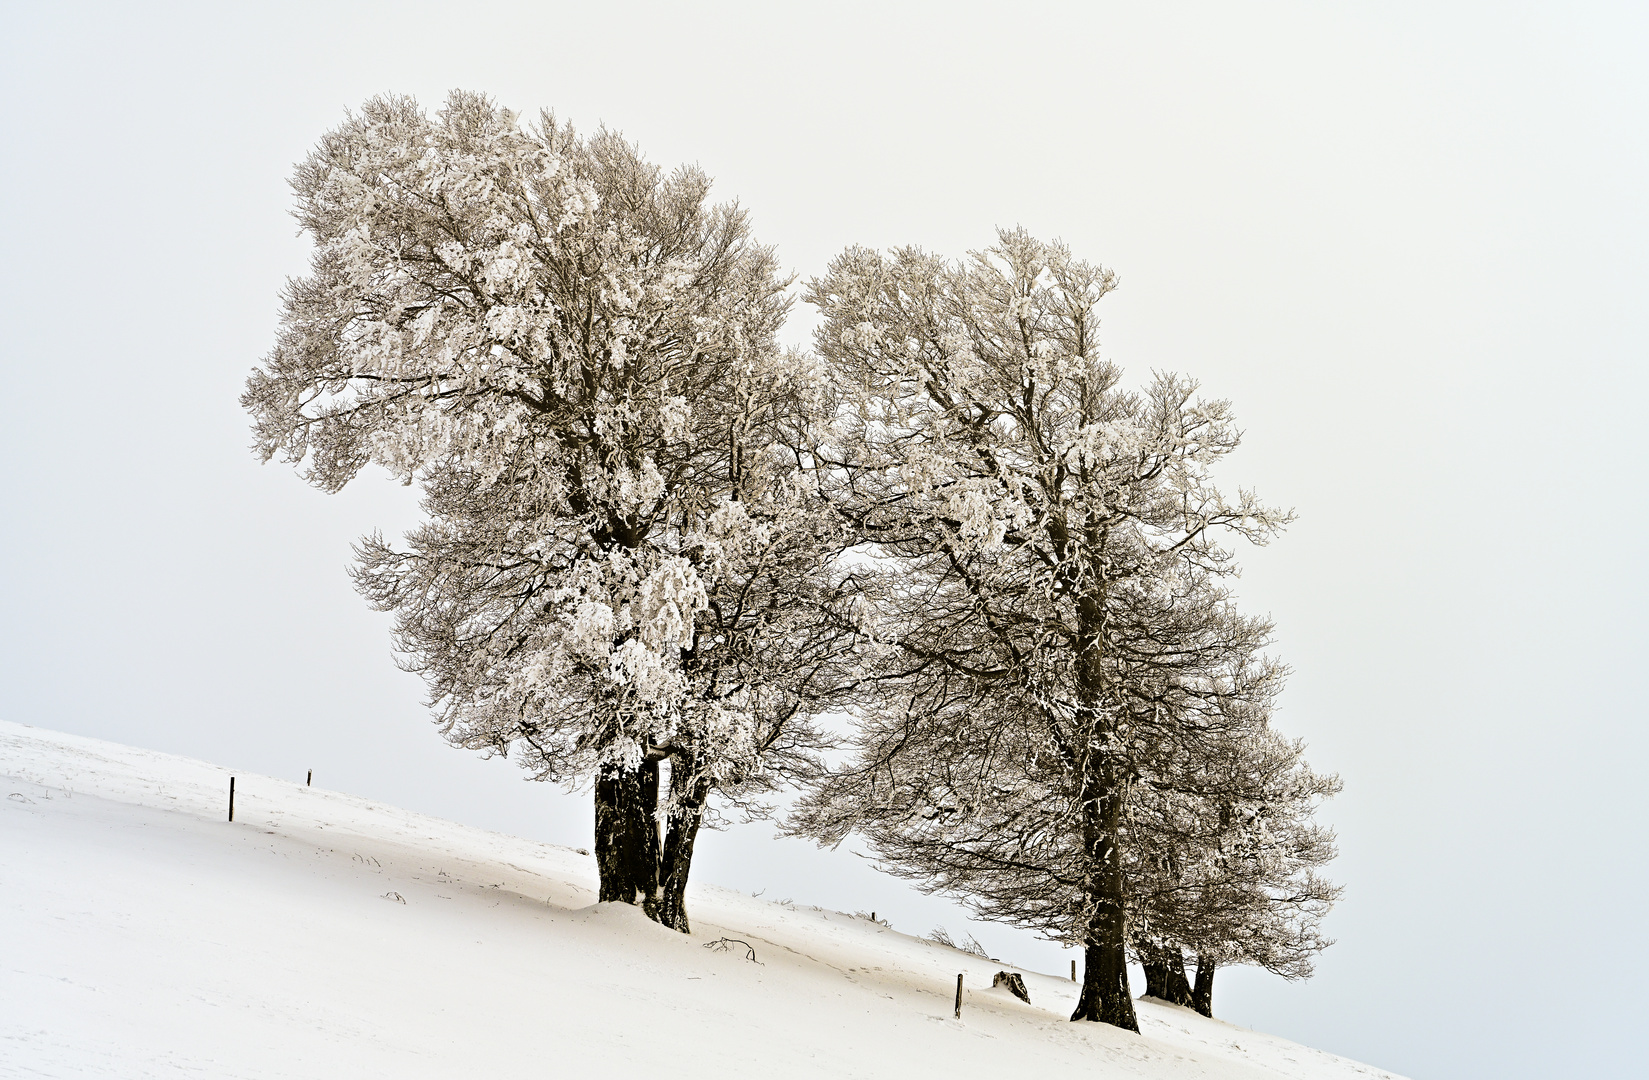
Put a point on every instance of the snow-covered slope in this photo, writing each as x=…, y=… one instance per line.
x=322, y=935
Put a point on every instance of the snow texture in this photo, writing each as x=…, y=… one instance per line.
x=322, y=935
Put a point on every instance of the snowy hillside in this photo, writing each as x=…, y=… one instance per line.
x=322, y=935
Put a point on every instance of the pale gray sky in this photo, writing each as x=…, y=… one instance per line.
x=1407, y=239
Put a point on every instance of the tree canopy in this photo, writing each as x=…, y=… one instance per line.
x=572, y=353
x=1051, y=609
x=655, y=541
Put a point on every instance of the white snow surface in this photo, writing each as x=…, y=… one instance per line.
x=322, y=935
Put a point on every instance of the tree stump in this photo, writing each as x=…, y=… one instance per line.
x=1015, y=983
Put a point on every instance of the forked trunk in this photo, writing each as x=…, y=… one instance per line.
x=635, y=866
x=1202, y=996
x=626, y=832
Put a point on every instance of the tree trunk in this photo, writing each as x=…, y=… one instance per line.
x=688, y=795
x=1178, y=989
x=1165, y=974
x=1105, y=996
x=1202, y=997
x=1155, y=964
x=626, y=832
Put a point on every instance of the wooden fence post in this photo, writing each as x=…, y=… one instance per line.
x=231, y=798
x=959, y=995
x=1073, y=971
x=310, y=779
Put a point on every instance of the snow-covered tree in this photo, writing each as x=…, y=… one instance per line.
x=573, y=354
x=1225, y=859
x=1048, y=607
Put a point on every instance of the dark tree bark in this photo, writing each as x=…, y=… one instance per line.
x=635, y=865
x=670, y=906
x=1202, y=996
x=1179, y=988
x=1156, y=973
x=1165, y=974
x=626, y=833
x=1105, y=996
x=1015, y=983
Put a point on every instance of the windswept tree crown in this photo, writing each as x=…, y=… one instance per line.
x=572, y=352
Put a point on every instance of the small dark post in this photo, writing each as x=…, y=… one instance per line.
x=310, y=779
x=1073, y=971
x=959, y=995
x=231, y=798
x=872, y=916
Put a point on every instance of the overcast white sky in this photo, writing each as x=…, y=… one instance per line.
x=1407, y=239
